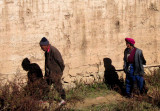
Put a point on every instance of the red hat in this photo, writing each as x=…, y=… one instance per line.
x=130, y=40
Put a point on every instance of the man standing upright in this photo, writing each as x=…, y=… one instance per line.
x=54, y=67
x=133, y=66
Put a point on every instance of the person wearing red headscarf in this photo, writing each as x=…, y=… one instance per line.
x=133, y=66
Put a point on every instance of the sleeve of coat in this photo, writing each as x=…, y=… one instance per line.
x=46, y=68
x=143, y=59
x=124, y=60
x=59, y=60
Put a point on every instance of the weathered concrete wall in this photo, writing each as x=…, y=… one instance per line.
x=85, y=32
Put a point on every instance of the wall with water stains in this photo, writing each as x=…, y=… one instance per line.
x=85, y=32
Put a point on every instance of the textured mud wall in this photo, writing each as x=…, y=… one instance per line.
x=85, y=32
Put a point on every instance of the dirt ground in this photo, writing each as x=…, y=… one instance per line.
x=87, y=102
x=110, y=98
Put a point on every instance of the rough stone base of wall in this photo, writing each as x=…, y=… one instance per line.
x=70, y=82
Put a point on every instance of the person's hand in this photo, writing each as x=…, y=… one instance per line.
x=144, y=65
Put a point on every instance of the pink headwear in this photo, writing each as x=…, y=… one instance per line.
x=130, y=40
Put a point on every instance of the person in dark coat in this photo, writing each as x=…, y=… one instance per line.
x=54, y=67
x=133, y=66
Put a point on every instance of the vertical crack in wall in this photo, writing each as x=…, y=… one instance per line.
x=84, y=41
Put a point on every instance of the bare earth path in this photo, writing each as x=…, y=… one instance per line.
x=108, y=99
x=88, y=102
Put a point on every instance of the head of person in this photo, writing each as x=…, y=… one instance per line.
x=44, y=44
x=129, y=42
x=26, y=64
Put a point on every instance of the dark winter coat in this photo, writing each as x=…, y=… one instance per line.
x=139, y=61
x=54, y=64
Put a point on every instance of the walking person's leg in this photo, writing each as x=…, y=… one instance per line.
x=140, y=80
x=59, y=88
x=128, y=86
x=130, y=78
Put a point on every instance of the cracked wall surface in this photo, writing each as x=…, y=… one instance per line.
x=85, y=32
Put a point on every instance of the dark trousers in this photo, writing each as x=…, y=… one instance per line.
x=56, y=80
x=131, y=79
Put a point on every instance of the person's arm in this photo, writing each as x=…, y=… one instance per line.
x=124, y=59
x=143, y=59
x=58, y=59
x=46, y=68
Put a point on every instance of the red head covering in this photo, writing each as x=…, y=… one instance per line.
x=130, y=40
